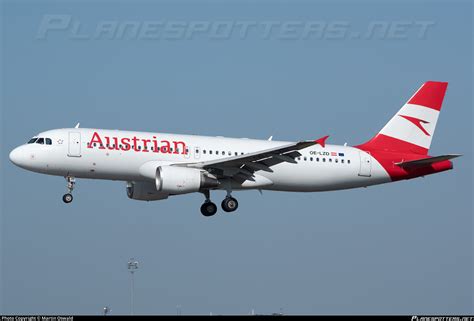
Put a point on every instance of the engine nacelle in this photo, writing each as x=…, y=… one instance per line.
x=144, y=191
x=182, y=180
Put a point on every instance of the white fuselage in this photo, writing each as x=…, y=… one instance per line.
x=70, y=153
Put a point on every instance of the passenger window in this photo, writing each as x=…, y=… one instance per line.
x=330, y=160
x=204, y=151
x=324, y=160
x=223, y=153
x=317, y=159
x=311, y=159
x=210, y=152
x=236, y=153
x=348, y=161
x=48, y=141
x=342, y=161
x=40, y=141
x=336, y=160
x=305, y=159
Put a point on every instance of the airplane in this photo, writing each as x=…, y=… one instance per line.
x=156, y=166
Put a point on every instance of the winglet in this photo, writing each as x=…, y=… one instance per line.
x=321, y=141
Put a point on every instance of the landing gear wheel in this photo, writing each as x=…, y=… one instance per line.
x=208, y=209
x=229, y=204
x=67, y=198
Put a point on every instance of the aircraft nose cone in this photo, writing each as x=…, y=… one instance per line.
x=14, y=156
x=18, y=157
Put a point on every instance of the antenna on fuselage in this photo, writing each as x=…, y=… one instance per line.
x=77, y=126
x=270, y=138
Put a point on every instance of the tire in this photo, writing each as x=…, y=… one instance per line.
x=229, y=204
x=67, y=198
x=208, y=209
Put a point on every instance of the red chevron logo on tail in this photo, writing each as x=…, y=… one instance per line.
x=417, y=122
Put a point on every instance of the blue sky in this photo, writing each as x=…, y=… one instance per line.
x=402, y=248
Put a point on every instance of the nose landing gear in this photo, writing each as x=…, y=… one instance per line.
x=67, y=198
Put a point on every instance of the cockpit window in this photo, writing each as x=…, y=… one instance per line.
x=48, y=141
x=40, y=141
x=31, y=141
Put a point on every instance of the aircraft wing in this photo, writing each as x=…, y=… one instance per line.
x=245, y=165
x=426, y=161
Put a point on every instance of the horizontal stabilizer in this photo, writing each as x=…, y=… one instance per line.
x=426, y=161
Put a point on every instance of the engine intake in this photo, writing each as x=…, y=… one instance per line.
x=182, y=180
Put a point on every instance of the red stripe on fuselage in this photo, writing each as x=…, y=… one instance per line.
x=386, y=143
x=388, y=151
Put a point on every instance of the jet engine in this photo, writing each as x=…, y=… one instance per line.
x=182, y=180
x=144, y=191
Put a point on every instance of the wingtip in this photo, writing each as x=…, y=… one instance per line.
x=322, y=141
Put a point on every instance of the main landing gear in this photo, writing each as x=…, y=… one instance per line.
x=67, y=198
x=208, y=208
x=229, y=204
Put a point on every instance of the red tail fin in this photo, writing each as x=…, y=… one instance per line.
x=411, y=129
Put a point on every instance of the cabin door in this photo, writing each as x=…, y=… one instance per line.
x=74, y=144
x=365, y=164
